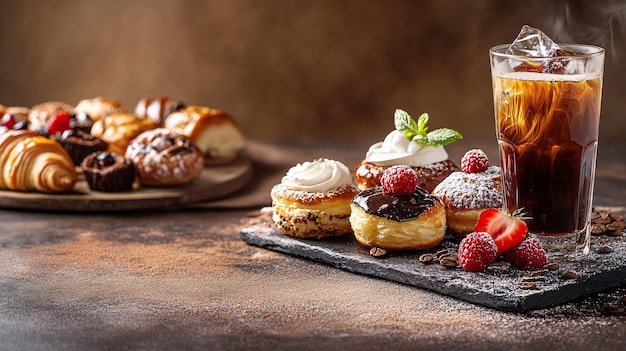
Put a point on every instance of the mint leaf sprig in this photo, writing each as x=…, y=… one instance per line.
x=417, y=131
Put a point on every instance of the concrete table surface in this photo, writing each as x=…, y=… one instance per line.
x=185, y=280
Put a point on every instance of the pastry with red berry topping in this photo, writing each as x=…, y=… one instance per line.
x=409, y=144
x=398, y=215
x=467, y=193
x=312, y=200
x=13, y=118
x=40, y=114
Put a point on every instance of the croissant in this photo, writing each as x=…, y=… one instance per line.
x=31, y=162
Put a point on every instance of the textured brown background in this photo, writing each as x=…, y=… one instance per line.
x=295, y=69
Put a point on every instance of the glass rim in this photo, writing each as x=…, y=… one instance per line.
x=585, y=51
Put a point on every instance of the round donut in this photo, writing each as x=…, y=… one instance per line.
x=164, y=158
x=367, y=175
x=466, y=195
x=398, y=222
x=312, y=215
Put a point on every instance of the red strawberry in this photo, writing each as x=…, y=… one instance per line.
x=474, y=161
x=527, y=255
x=477, y=251
x=58, y=123
x=506, y=230
x=400, y=180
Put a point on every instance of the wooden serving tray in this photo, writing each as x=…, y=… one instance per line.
x=213, y=183
x=497, y=287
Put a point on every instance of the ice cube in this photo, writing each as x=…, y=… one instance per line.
x=533, y=43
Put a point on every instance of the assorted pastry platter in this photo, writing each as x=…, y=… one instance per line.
x=214, y=182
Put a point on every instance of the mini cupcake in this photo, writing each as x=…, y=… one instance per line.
x=80, y=144
x=108, y=172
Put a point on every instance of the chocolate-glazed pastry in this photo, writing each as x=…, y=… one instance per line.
x=398, y=222
x=108, y=172
x=80, y=144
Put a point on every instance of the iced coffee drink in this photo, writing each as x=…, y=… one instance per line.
x=547, y=109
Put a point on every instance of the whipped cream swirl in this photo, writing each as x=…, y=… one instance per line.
x=397, y=149
x=317, y=176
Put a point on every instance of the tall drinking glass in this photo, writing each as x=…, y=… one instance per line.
x=547, y=112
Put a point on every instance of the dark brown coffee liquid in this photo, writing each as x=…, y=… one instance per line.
x=399, y=208
x=548, y=137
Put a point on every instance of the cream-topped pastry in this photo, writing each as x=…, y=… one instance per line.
x=410, y=145
x=313, y=200
x=397, y=149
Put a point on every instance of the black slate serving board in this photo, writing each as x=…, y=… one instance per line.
x=497, y=287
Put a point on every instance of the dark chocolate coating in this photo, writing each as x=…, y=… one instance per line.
x=399, y=208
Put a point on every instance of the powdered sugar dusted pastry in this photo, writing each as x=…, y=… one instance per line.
x=412, y=146
x=213, y=131
x=313, y=200
x=97, y=108
x=164, y=158
x=467, y=193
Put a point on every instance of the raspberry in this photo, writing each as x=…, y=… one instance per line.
x=58, y=123
x=8, y=120
x=527, y=255
x=477, y=251
x=400, y=180
x=474, y=161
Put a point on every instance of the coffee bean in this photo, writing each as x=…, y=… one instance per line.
x=378, y=252
x=605, y=249
x=613, y=309
x=552, y=266
x=448, y=261
x=598, y=229
x=569, y=275
x=427, y=258
x=441, y=253
x=532, y=279
x=527, y=285
x=623, y=298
